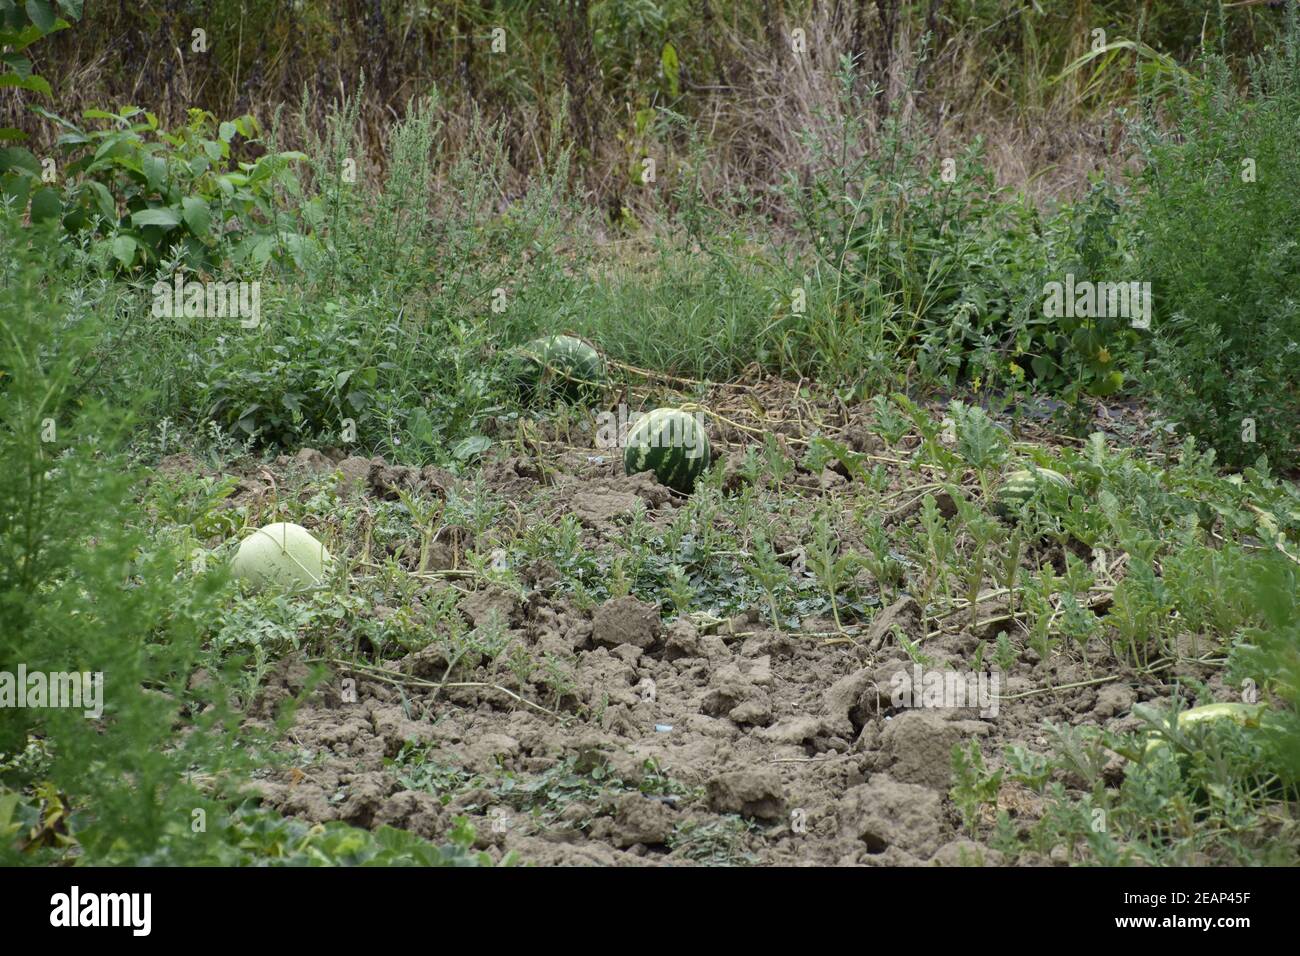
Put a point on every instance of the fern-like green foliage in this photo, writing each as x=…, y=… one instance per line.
x=84, y=589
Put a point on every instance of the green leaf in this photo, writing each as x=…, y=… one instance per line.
x=226, y=131
x=197, y=215
x=469, y=447
x=16, y=157
x=671, y=68
x=42, y=14
x=20, y=64
x=104, y=200
x=16, y=188
x=258, y=249
x=72, y=8
x=19, y=40
x=112, y=144
x=46, y=205
x=53, y=117
x=1107, y=384
x=9, y=134
x=34, y=83
x=124, y=248
x=155, y=171
x=162, y=216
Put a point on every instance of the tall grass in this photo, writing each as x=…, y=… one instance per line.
x=732, y=66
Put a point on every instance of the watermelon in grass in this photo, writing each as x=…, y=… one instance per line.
x=559, y=366
x=281, y=555
x=671, y=443
x=1249, y=716
x=1020, y=486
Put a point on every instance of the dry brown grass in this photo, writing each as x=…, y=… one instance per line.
x=750, y=101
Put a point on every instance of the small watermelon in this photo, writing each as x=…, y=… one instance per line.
x=1019, y=487
x=559, y=366
x=671, y=443
x=1245, y=715
x=283, y=555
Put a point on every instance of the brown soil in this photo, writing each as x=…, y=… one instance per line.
x=720, y=741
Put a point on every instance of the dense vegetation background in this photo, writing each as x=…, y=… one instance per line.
x=869, y=196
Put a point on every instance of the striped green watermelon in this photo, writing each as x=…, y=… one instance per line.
x=1019, y=487
x=559, y=366
x=671, y=443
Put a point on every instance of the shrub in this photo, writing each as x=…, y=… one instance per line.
x=1218, y=222
x=82, y=589
x=142, y=191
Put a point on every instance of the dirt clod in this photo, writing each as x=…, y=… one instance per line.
x=751, y=793
x=625, y=620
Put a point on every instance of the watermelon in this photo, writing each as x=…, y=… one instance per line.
x=1244, y=715
x=281, y=555
x=671, y=443
x=559, y=366
x=1019, y=487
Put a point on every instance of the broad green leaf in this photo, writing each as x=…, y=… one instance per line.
x=155, y=171
x=161, y=216
x=16, y=187
x=104, y=200
x=19, y=40
x=469, y=447
x=197, y=215
x=42, y=14
x=34, y=83
x=16, y=157
x=257, y=249
x=124, y=248
x=46, y=205
x=111, y=143
x=19, y=64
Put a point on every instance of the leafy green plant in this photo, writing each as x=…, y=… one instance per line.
x=85, y=588
x=21, y=25
x=1225, y=347
x=980, y=442
x=832, y=569
x=143, y=191
x=772, y=576
x=974, y=784
x=255, y=837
